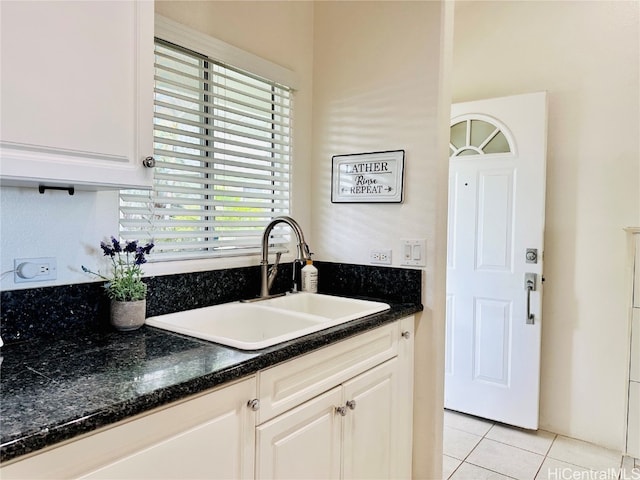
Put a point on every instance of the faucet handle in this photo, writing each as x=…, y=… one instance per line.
x=273, y=271
x=303, y=252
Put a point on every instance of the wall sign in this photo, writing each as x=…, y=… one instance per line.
x=368, y=177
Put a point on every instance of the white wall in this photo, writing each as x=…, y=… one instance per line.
x=379, y=76
x=377, y=86
x=54, y=224
x=70, y=228
x=585, y=55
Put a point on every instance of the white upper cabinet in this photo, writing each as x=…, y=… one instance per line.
x=77, y=93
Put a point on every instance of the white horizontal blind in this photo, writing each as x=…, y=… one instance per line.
x=222, y=150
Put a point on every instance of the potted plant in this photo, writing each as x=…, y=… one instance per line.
x=125, y=288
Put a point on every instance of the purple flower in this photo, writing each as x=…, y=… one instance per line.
x=116, y=245
x=140, y=257
x=107, y=249
x=131, y=247
x=141, y=252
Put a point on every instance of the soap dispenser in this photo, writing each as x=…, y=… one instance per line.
x=309, y=278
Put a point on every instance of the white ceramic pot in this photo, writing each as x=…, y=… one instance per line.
x=128, y=315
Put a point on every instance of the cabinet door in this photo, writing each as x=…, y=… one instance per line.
x=405, y=397
x=370, y=430
x=302, y=443
x=210, y=436
x=221, y=448
x=77, y=92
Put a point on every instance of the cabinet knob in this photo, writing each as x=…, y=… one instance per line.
x=149, y=162
x=351, y=404
x=406, y=335
x=254, y=404
x=341, y=411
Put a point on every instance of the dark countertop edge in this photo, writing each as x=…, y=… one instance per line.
x=267, y=357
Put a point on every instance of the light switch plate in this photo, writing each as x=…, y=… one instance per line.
x=413, y=252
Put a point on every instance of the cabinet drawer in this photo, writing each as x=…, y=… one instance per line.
x=287, y=385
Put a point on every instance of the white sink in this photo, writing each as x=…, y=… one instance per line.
x=339, y=309
x=251, y=326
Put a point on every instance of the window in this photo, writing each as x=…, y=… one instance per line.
x=475, y=136
x=222, y=150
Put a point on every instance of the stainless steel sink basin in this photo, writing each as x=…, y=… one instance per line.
x=251, y=326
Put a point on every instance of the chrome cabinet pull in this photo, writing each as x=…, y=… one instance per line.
x=351, y=404
x=342, y=411
x=149, y=162
x=254, y=404
x=406, y=335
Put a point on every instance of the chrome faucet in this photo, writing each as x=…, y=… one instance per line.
x=269, y=275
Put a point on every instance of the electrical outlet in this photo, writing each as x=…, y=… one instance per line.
x=382, y=257
x=34, y=269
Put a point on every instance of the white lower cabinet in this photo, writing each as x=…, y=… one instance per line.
x=210, y=436
x=371, y=427
x=361, y=428
x=302, y=443
x=347, y=432
x=220, y=448
x=344, y=411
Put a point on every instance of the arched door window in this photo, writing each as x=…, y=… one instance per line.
x=476, y=136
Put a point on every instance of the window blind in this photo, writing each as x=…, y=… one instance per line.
x=222, y=149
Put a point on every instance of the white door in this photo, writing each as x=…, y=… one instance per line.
x=496, y=226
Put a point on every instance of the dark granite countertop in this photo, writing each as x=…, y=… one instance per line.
x=55, y=390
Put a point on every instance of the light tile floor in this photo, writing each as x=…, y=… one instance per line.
x=479, y=449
